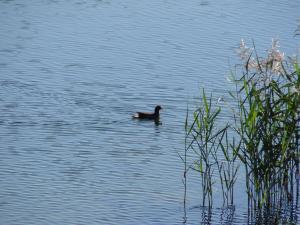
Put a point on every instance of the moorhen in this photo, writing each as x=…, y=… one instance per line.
x=147, y=115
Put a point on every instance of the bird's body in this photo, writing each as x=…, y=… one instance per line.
x=148, y=115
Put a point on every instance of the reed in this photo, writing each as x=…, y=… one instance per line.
x=202, y=139
x=264, y=136
x=268, y=100
x=228, y=167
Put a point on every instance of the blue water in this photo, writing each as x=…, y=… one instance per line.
x=71, y=75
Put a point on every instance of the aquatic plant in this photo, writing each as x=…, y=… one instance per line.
x=228, y=167
x=203, y=139
x=269, y=101
x=264, y=135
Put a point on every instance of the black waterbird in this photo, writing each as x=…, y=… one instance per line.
x=148, y=115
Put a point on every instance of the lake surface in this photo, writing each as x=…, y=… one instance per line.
x=71, y=75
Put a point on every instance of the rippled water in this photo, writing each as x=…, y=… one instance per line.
x=71, y=75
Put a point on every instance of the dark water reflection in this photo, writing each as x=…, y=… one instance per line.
x=71, y=75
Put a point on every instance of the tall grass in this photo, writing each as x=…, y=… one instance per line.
x=264, y=137
x=268, y=126
x=203, y=140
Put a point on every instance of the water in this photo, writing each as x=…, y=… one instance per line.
x=71, y=75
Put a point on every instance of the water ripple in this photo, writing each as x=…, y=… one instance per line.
x=73, y=73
